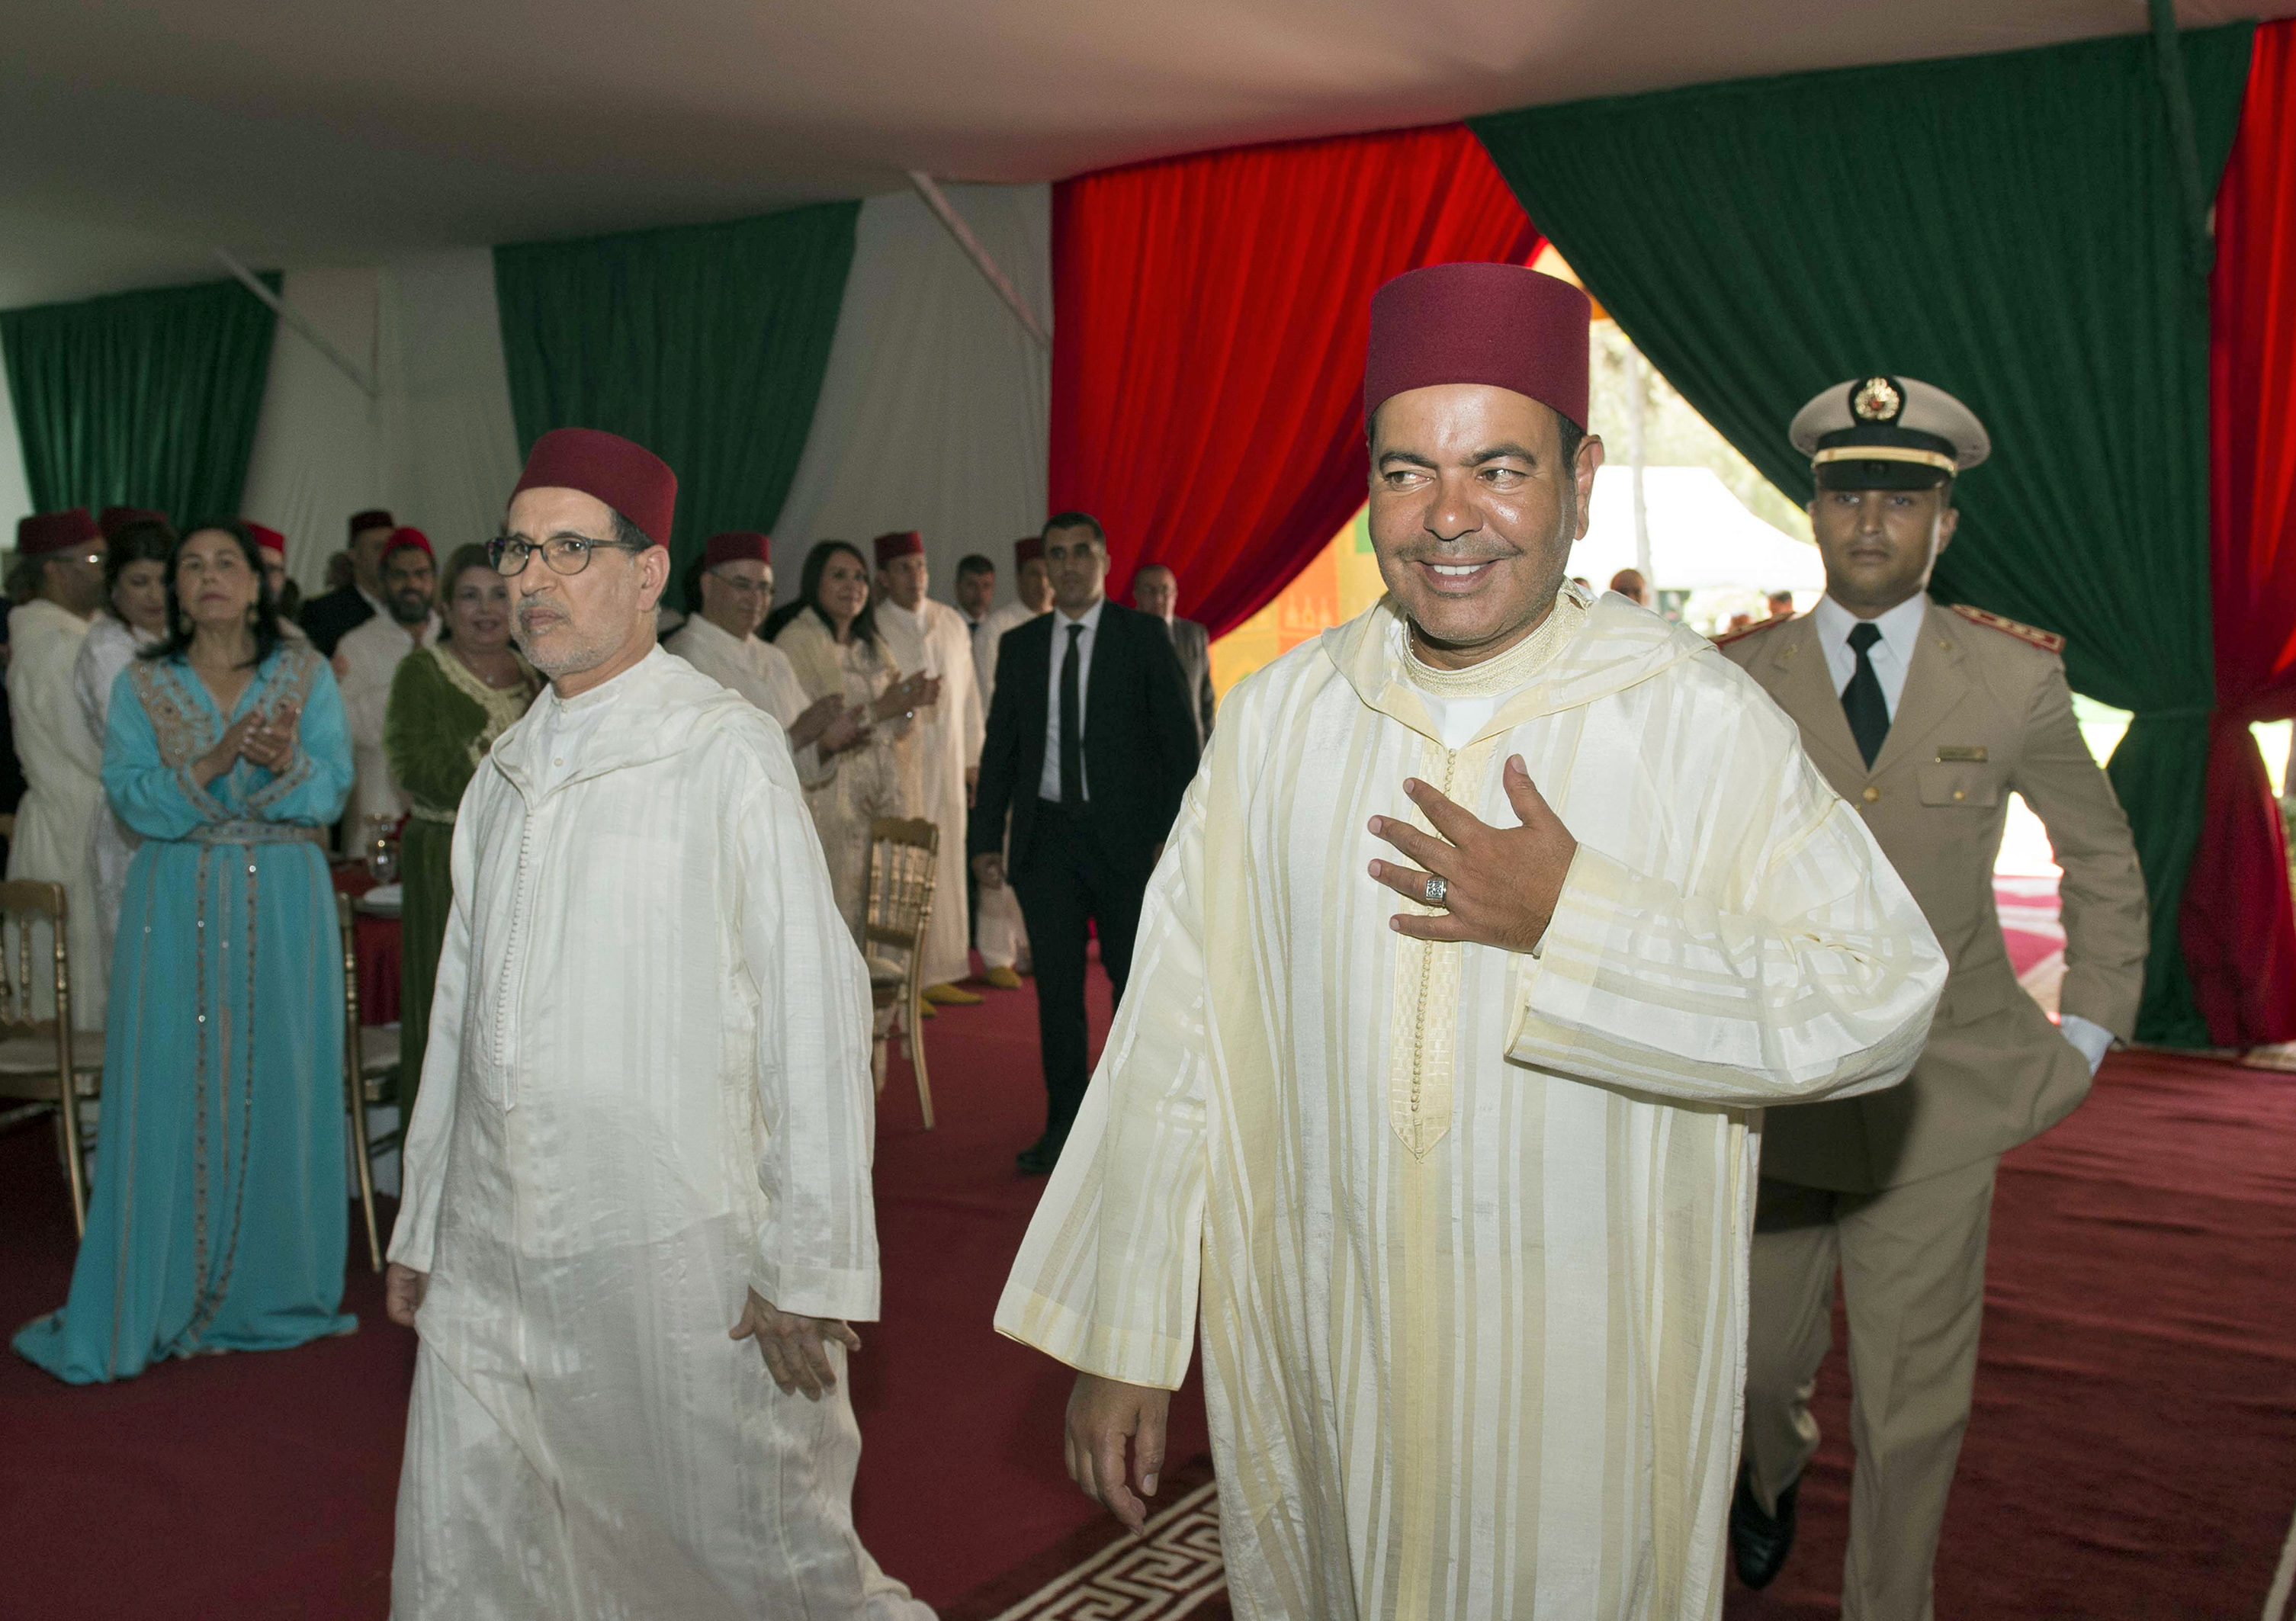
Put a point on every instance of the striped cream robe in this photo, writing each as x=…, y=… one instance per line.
x=1470, y=1228
x=646, y=1093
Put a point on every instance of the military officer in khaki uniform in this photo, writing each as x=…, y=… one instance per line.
x=1926, y=718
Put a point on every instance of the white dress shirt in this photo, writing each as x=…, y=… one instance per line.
x=1892, y=656
x=1048, y=785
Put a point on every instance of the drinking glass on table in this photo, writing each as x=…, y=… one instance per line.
x=382, y=849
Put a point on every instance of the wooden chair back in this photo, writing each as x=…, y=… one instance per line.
x=903, y=863
x=353, y=1082
x=25, y=907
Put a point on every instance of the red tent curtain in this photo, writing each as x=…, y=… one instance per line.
x=2237, y=925
x=1210, y=319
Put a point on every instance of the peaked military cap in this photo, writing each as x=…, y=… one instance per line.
x=1879, y=432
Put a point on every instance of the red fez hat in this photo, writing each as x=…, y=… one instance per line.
x=1027, y=549
x=46, y=532
x=735, y=544
x=1499, y=324
x=404, y=539
x=114, y=518
x=628, y=478
x=373, y=518
x=267, y=539
x=902, y=543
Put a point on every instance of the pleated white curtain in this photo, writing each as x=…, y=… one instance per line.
x=934, y=412
x=315, y=460
x=435, y=447
x=449, y=450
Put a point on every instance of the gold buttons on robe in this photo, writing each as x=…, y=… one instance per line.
x=1872, y=794
x=1961, y=793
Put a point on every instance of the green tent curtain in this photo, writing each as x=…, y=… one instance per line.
x=706, y=344
x=141, y=399
x=2013, y=228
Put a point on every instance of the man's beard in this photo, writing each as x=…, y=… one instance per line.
x=572, y=651
x=408, y=607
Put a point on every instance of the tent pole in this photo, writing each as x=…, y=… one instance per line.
x=301, y=323
x=945, y=212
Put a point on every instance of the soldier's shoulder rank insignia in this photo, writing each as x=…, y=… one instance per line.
x=2047, y=641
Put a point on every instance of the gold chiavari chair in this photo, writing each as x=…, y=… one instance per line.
x=370, y=1078
x=904, y=859
x=37, y=1055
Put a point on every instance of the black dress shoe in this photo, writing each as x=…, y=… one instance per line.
x=1039, y=1157
x=1759, y=1542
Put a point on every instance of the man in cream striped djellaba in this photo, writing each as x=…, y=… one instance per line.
x=1464, y=1182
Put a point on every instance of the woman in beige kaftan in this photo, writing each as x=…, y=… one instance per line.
x=1470, y=1228
x=835, y=649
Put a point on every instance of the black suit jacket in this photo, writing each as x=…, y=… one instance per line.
x=328, y=619
x=1139, y=737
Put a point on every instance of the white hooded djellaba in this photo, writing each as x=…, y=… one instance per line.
x=647, y=1092
x=1470, y=1228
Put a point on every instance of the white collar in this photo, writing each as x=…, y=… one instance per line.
x=1089, y=618
x=1900, y=626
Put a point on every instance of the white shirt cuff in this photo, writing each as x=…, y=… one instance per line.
x=2090, y=1039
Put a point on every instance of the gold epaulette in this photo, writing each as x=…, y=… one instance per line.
x=2047, y=641
x=1728, y=636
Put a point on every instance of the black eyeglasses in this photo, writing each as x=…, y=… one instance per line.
x=565, y=554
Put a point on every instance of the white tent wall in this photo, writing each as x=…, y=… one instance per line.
x=437, y=447
x=317, y=456
x=936, y=408
x=450, y=450
x=15, y=486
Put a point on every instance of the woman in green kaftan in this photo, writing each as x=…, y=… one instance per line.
x=448, y=703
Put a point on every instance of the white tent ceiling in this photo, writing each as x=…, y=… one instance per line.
x=137, y=135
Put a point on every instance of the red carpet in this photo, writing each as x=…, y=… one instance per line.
x=2132, y=1454
x=261, y=1485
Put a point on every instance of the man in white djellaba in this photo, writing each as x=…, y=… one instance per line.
x=1491, y=924
x=637, y=1221
x=945, y=757
x=732, y=586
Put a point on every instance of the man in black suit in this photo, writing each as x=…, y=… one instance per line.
x=1156, y=590
x=1091, y=743
x=327, y=620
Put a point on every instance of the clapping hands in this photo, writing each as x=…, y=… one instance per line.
x=260, y=739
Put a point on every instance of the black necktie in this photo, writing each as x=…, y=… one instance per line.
x=1071, y=726
x=1861, y=699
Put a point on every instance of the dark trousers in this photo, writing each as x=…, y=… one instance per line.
x=1072, y=881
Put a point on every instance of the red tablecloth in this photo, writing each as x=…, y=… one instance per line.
x=378, y=950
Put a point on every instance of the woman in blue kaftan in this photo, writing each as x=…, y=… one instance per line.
x=219, y=1214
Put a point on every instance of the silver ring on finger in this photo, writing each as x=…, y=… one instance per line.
x=1437, y=890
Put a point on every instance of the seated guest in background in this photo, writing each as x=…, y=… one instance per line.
x=727, y=590
x=448, y=702
x=135, y=617
x=352, y=603
x=837, y=651
x=1629, y=584
x=366, y=659
x=1156, y=590
x=57, y=585
x=1781, y=604
x=218, y=1218
x=638, y=1219
x=339, y=572
x=1090, y=746
x=1001, y=935
x=1738, y=622
x=284, y=592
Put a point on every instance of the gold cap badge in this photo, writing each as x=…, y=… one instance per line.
x=1877, y=400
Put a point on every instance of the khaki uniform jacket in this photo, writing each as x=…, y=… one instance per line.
x=1985, y=712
